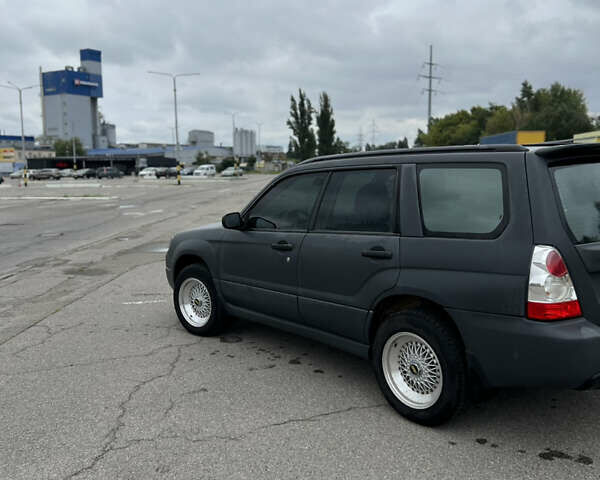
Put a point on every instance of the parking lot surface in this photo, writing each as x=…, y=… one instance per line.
x=99, y=380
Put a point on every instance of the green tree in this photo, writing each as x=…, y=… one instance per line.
x=203, y=158
x=560, y=111
x=303, y=141
x=326, y=126
x=64, y=148
x=460, y=128
x=250, y=162
x=403, y=143
x=225, y=163
x=341, y=146
x=501, y=120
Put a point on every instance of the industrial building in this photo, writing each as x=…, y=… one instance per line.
x=70, y=103
x=244, y=143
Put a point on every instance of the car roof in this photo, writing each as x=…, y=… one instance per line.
x=548, y=150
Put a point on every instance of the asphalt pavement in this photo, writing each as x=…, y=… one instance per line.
x=99, y=380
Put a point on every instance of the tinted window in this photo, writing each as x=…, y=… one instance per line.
x=289, y=204
x=359, y=200
x=461, y=200
x=579, y=191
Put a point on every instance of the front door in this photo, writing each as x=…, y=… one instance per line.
x=259, y=264
x=351, y=255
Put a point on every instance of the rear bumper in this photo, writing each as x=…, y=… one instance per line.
x=511, y=351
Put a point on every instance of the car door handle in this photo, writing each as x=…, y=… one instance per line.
x=376, y=252
x=282, y=245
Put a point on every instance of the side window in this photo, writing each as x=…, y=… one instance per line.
x=458, y=201
x=359, y=200
x=289, y=204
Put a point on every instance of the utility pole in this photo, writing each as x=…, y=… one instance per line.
x=174, y=77
x=373, y=132
x=360, y=139
x=20, y=90
x=429, y=88
x=73, y=146
x=235, y=163
x=258, y=124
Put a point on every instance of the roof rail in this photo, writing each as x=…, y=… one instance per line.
x=569, y=149
x=550, y=143
x=422, y=150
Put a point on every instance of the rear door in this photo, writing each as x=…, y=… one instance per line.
x=351, y=255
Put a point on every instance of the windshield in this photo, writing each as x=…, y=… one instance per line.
x=579, y=192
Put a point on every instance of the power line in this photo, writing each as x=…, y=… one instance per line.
x=360, y=139
x=373, y=132
x=429, y=88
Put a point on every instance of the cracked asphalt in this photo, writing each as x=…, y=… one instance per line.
x=98, y=379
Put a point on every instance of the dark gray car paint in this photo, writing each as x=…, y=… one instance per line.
x=481, y=283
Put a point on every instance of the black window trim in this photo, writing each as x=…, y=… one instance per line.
x=471, y=165
x=395, y=210
x=246, y=211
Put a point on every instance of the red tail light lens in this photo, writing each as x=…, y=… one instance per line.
x=555, y=264
x=553, y=311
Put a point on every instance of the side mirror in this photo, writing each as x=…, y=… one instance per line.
x=232, y=221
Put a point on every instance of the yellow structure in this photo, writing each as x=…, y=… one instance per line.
x=525, y=137
x=587, y=137
x=7, y=155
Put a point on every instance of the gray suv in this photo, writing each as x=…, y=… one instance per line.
x=446, y=267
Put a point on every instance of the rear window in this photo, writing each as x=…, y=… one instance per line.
x=462, y=201
x=579, y=192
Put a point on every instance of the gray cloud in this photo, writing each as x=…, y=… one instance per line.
x=253, y=55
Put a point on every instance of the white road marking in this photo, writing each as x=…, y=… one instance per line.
x=136, y=214
x=126, y=206
x=141, y=302
x=58, y=198
x=156, y=211
x=72, y=185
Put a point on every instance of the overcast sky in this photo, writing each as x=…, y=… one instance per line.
x=252, y=55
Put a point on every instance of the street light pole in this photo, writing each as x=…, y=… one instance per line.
x=174, y=78
x=20, y=90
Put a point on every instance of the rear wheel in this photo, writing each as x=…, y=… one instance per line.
x=420, y=366
x=196, y=301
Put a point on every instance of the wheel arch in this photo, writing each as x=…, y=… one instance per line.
x=188, y=259
x=399, y=302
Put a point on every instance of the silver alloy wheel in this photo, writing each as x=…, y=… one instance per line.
x=412, y=370
x=195, y=303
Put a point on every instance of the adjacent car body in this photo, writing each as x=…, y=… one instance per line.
x=446, y=267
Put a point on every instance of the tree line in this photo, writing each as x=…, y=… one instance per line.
x=559, y=110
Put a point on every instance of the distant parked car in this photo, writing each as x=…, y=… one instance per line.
x=187, y=171
x=17, y=174
x=232, y=172
x=161, y=172
x=84, y=173
x=109, y=172
x=45, y=174
x=171, y=172
x=67, y=172
x=205, y=171
x=148, y=172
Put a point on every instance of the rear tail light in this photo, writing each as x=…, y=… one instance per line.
x=551, y=294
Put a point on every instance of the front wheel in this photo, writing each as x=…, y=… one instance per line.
x=420, y=367
x=196, y=301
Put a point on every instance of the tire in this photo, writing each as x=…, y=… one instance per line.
x=420, y=366
x=194, y=289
